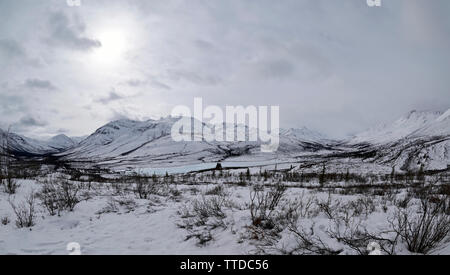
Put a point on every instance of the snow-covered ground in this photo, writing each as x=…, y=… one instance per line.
x=113, y=220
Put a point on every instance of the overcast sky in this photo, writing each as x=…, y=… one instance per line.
x=334, y=66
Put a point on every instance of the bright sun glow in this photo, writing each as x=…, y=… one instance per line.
x=112, y=49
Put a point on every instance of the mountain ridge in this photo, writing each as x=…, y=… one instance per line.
x=419, y=138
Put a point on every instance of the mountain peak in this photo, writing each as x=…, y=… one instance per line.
x=444, y=116
x=304, y=133
x=411, y=124
x=60, y=136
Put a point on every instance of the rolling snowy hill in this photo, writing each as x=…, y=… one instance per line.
x=401, y=128
x=21, y=145
x=144, y=142
x=419, y=139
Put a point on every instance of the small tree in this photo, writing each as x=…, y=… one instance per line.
x=393, y=174
x=420, y=177
x=25, y=211
x=322, y=176
x=424, y=231
x=263, y=204
x=10, y=184
x=347, y=175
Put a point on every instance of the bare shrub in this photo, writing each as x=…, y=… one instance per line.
x=59, y=194
x=444, y=189
x=114, y=205
x=111, y=207
x=263, y=203
x=203, y=215
x=202, y=237
x=308, y=243
x=50, y=199
x=300, y=207
x=175, y=193
x=217, y=190
x=25, y=211
x=328, y=206
x=362, y=206
x=424, y=231
x=5, y=220
x=118, y=188
x=403, y=202
x=144, y=187
x=205, y=208
x=355, y=236
x=10, y=185
x=128, y=204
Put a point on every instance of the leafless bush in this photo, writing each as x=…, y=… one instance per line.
x=308, y=243
x=205, y=208
x=362, y=206
x=203, y=215
x=263, y=203
x=5, y=220
x=119, y=188
x=202, y=237
x=25, y=211
x=129, y=204
x=403, y=202
x=175, y=193
x=114, y=205
x=301, y=207
x=444, y=189
x=328, y=206
x=355, y=236
x=424, y=231
x=10, y=185
x=59, y=194
x=145, y=187
x=217, y=190
x=111, y=207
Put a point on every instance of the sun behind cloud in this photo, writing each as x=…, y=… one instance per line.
x=113, y=47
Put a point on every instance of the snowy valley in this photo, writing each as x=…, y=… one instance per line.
x=130, y=189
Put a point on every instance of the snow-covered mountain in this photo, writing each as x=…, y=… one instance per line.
x=137, y=142
x=303, y=134
x=61, y=142
x=21, y=145
x=413, y=122
x=419, y=139
x=78, y=139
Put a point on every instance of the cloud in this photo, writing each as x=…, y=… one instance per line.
x=160, y=85
x=277, y=68
x=329, y=65
x=39, y=84
x=11, y=104
x=135, y=82
x=29, y=121
x=10, y=48
x=112, y=96
x=152, y=82
x=193, y=77
x=425, y=23
x=204, y=45
x=14, y=52
x=70, y=34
